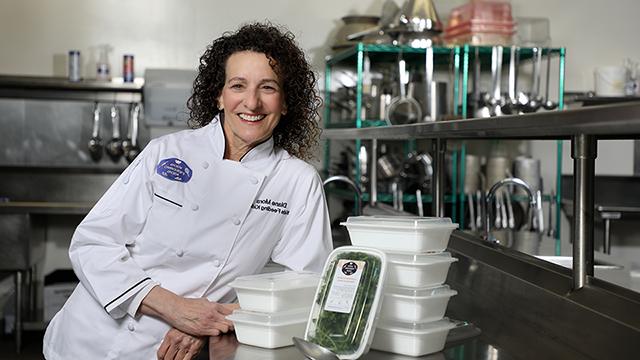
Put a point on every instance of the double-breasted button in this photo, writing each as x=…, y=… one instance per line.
x=131, y=326
x=205, y=165
x=253, y=180
x=236, y=221
x=195, y=207
x=179, y=253
x=216, y=263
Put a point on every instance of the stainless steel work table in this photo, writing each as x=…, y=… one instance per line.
x=475, y=348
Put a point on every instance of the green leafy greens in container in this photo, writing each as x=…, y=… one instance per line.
x=347, y=301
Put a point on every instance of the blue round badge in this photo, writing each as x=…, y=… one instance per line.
x=174, y=169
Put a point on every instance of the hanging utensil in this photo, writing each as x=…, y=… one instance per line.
x=131, y=150
x=419, y=203
x=548, y=104
x=479, y=215
x=403, y=109
x=511, y=105
x=550, y=229
x=114, y=146
x=95, y=143
x=472, y=212
x=511, y=222
x=535, y=101
x=498, y=218
x=539, y=212
x=496, y=71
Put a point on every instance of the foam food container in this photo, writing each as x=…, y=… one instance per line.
x=415, y=305
x=417, y=270
x=269, y=330
x=412, y=339
x=275, y=292
x=400, y=233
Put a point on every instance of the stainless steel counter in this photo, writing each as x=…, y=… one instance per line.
x=476, y=348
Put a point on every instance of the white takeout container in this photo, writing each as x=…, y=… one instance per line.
x=269, y=330
x=274, y=292
x=400, y=233
x=415, y=304
x=417, y=270
x=412, y=339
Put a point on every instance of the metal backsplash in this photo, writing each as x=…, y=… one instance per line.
x=56, y=133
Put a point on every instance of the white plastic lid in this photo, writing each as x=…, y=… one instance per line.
x=277, y=281
x=288, y=317
x=404, y=222
x=416, y=328
x=409, y=258
x=423, y=292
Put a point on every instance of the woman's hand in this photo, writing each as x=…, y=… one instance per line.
x=202, y=317
x=197, y=317
x=179, y=346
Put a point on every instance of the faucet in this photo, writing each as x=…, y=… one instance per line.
x=344, y=179
x=490, y=195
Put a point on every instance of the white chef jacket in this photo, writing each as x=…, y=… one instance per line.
x=192, y=233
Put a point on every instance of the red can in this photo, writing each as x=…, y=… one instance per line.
x=127, y=68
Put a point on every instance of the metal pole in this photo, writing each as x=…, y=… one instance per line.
x=583, y=152
x=440, y=147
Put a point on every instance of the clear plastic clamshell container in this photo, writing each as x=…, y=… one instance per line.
x=274, y=292
x=400, y=233
x=417, y=270
x=412, y=339
x=415, y=305
x=269, y=330
x=347, y=301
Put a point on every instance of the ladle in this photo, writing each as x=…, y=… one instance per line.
x=511, y=105
x=412, y=110
x=313, y=351
x=535, y=101
x=114, y=147
x=548, y=104
x=95, y=143
x=131, y=148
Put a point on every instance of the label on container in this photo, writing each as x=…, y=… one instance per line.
x=344, y=286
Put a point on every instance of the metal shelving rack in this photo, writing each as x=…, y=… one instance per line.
x=458, y=59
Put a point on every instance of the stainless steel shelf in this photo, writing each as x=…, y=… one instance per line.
x=615, y=121
x=55, y=88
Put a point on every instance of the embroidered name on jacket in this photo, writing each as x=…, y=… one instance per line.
x=174, y=169
x=268, y=205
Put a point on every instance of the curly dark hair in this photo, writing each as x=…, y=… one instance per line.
x=298, y=130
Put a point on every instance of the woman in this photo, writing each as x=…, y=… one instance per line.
x=201, y=207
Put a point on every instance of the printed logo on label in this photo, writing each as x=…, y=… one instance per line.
x=349, y=268
x=268, y=205
x=174, y=169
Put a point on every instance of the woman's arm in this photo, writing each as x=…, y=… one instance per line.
x=198, y=317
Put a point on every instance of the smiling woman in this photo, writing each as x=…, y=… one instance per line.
x=198, y=208
x=252, y=101
x=290, y=76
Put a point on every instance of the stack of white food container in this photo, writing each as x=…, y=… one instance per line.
x=274, y=307
x=412, y=316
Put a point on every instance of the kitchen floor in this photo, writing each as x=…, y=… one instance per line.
x=31, y=346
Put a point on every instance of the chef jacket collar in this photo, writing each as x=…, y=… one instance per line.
x=253, y=159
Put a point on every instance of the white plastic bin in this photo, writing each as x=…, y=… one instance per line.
x=269, y=330
x=412, y=339
x=400, y=233
x=415, y=305
x=417, y=270
x=274, y=292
